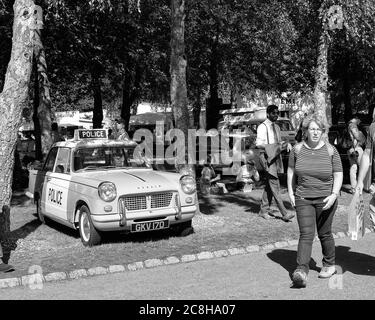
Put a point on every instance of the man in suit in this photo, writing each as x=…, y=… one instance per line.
x=269, y=141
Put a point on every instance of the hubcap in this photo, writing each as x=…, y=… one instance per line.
x=85, y=226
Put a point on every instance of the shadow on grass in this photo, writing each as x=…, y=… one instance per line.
x=19, y=199
x=287, y=259
x=10, y=244
x=251, y=201
x=150, y=236
x=208, y=204
x=61, y=228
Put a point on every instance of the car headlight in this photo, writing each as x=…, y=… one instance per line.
x=188, y=184
x=107, y=191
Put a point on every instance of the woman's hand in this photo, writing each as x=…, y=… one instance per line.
x=292, y=199
x=330, y=200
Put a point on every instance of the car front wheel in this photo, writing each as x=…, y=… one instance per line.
x=89, y=235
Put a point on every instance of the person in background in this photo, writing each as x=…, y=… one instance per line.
x=4, y=225
x=110, y=134
x=118, y=159
x=4, y=267
x=209, y=179
x=364, y=166
x=299, y=135
x=121, y=133
x=269, y=141
x=314, y=181
x=355, y=152
x=247, y=176
x=55, y=134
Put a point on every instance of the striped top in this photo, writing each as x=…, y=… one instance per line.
x=370, y=136
x=314, y=170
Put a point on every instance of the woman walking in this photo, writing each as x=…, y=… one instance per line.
x=314, y=181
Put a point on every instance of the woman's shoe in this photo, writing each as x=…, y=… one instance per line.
x=299, y=279
x=327, y=272
x=6, y=268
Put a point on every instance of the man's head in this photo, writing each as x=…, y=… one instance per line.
x=272, y=112
x=119, y=124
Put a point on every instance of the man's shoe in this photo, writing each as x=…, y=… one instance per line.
x=265, y=216
x=6, y=267
x=274, y=213
x=289, y=216
x=327, y=272
x=299, y=279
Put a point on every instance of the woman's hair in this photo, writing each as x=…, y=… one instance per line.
x=312, y=118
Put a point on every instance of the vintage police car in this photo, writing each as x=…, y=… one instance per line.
x=96, y=184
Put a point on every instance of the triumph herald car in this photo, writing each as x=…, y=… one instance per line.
x=95, y=184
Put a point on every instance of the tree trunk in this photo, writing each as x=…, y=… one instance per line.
x=212, y=113
x=321, y=79
x=130, y=91
x=348, y=114
x=197, y=108
x=97, y=92
x=178, y=77
x=13, y=99
x=42, y=113
x=37, y=128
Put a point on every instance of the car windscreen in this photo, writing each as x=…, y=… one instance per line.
x=105, y=157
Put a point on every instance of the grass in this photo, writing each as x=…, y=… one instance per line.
x=225, y=221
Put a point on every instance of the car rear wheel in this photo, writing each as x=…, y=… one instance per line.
x=89, y=235
x=39, y=211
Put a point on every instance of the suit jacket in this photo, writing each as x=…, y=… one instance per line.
x=275, y=163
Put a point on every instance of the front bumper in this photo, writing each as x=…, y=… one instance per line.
x=114, y=221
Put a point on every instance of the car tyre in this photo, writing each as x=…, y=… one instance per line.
x=41, y=217
x=89, y=235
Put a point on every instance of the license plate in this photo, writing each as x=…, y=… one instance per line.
x=150, y=225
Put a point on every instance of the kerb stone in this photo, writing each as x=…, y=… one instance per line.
x=116, y=268
x=151, y=263
x=55, y=276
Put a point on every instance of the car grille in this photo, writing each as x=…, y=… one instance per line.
x=135, y=203
x=161, y=200
x=144, y=202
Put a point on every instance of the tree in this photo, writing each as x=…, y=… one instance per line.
x=14, y=97
x=358, y=21
x=178, y=74
x=42, y=100
x=244, y=44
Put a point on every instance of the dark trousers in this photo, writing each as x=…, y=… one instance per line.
x=272, y=190
x=309, y=214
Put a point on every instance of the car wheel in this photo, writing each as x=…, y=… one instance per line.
x=184, y=229
x=39, y=211
x=89, y=235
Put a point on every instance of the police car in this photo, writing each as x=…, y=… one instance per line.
x=95, y=184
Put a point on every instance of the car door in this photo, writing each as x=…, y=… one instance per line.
x=57, y=185
x=45, y=177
